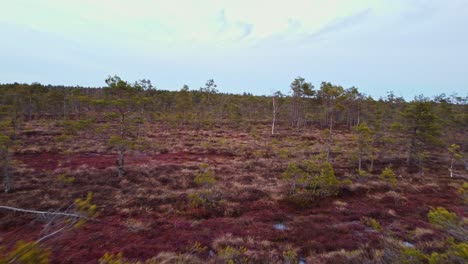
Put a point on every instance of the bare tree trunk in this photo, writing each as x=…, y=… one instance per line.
x=30, y=109
x=121, y=162
x=358, y=115
x=451, y=168
x=121, y=159
x=6, y=173
x=274, y=116
x=64, y=106
x=329, y=138
x=412, y=152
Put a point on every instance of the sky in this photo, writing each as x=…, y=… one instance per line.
x=410, y=47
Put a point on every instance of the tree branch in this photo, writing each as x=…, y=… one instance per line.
x=44, y=212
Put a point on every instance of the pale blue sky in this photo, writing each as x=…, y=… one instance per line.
x=406, y=46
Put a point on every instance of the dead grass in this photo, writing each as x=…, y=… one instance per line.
x=150, y=204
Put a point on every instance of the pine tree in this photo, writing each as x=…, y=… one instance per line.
x=122, y=100
x=422, y=128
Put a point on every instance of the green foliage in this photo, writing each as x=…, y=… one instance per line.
x=5, y=141
x=63, y=138
x=364, y=138
x=232, y=255
x=363, y=173
x=63, y=178
x=73, y=127
x=207, y=199
x=110, y=258
x=463, y=191
x=325, y=184
x=389, y=176
x=449, y=222
x=290, y=257
x=197, y=248
x=118, y=142
x=206, y=176
x=423, y=129
x=441, y=217
x=283, y=153
x=296, y=175
x=396, y=126
x=455, y=253
x=455, y=152
x=27, y=253
x=371, y=222
x=311, y=180
x=86, y=208
x=411, y=256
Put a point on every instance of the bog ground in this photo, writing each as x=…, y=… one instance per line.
x=248, y=215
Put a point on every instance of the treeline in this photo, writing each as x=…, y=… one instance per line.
x=424, y=123
x=306, y=106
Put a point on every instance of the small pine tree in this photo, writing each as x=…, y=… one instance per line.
x=364, y=138
x=423, y=129
x=389, y=176
x=205, y=177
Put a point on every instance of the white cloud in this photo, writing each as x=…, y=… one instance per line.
x=177, y=22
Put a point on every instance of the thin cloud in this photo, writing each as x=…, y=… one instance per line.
x=341, y=24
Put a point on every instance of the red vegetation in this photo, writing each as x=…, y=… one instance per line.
x=148, y=210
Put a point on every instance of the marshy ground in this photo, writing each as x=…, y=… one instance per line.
x=148, y=212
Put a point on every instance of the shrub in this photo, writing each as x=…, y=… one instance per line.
x=412, y=255
x=163, y=257
x=63, y=178
x=456, y=253
x=27, y=253
x=389, y=176
x=311, y=180
x=371, y=222
x=449, y=222
x=296, y=176
x=207, y=199
x=86, y=208
x=394, y=252
x=441, y=217
x=290, y=257
x=363, y=173
x=283, y=153
x=197, y=248
x=63, y=138
x=110, y=258
x=463, y=191
x=325, y=184
x=232, y=255
x=205, y=177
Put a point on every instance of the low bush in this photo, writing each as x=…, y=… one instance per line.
x=63, y=178
x=26, y=253
x=389, y=176
x=310, y=181
x=207, y=199
x=463, y=191
x=455, y=253
x=232, y=255
x=206, y=176
x=371, y=222
x=86, y=208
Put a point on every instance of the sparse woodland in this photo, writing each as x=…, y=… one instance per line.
x=128, y=173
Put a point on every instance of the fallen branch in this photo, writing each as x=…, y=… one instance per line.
x=45, y=213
